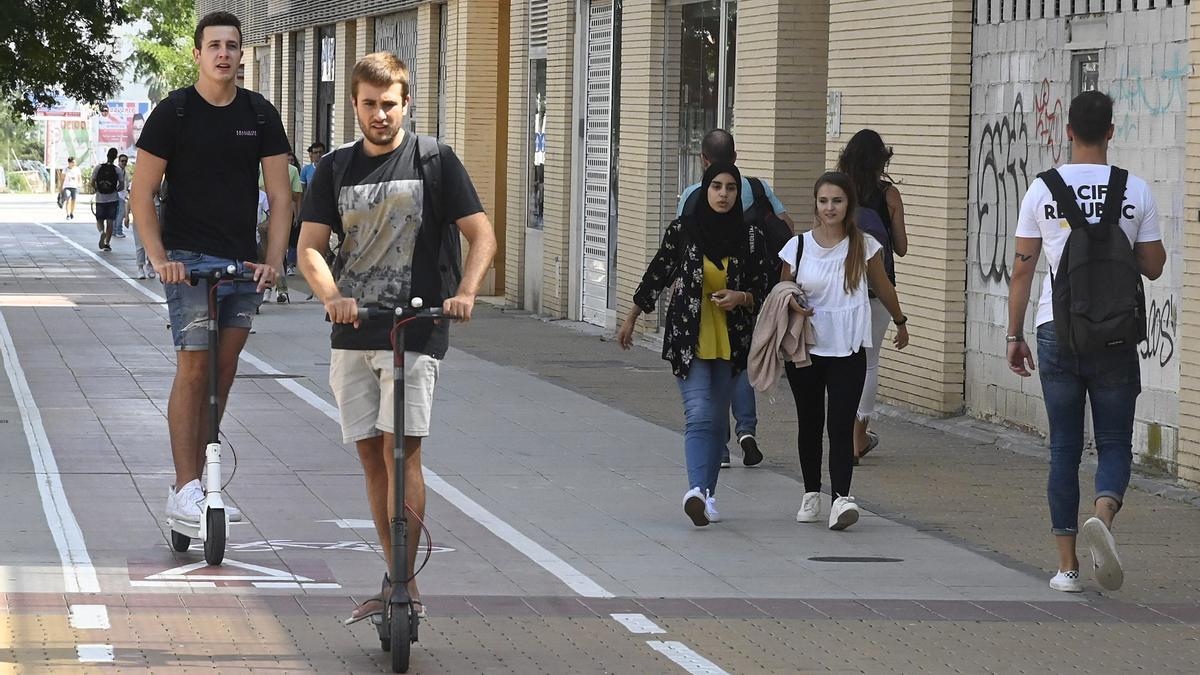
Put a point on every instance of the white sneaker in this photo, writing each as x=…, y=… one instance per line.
x=694, y=506
x=843, y=514
x=186, y=504
x=810, y=508
x=1067, y=581
x=1107, y=565
x=710, y=508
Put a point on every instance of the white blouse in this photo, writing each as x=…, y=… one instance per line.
x=841, y=322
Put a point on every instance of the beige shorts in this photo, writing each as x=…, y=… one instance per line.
x=362, y=385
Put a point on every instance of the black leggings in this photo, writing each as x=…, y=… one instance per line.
x=843, y=378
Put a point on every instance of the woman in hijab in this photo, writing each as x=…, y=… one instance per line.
x=717, y=266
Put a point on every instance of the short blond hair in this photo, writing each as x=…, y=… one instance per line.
x=382, y=69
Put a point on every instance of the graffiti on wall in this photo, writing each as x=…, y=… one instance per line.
x=1050, y=124
x=1162, y=323
x=1136, y=96
x=1003, y=178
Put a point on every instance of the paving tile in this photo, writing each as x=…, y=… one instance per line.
x=1075, y=612
x=450, y=605
x=559, y=607
x=496, y=606
x=729, y=608
x=1183, y=613
x=672, y=607
x=1132, y=613
x=1017, y=611
x=959, y=610
x=844, y=609
x=903, y=610
x=606, y=606
x=786, y=608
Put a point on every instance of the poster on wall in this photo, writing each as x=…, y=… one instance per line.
x=68, y=137
x=118, y=125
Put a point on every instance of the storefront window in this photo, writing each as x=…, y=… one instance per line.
x=705, y=54
x=537, y=115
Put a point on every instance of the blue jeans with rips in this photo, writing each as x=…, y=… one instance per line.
x=706, y=392
x=1111, y=382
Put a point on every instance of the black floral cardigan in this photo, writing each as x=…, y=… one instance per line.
x=679, y=258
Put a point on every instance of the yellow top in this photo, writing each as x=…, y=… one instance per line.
x=714, y=331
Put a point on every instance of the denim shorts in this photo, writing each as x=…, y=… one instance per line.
x=187, y=305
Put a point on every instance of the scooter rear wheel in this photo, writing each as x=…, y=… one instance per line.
x=401, y=637
x=214, y=544
x=180, y=542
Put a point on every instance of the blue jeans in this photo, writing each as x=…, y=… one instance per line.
x=706, y=392
x=118, y=227
x=745, y=411
x=187, y=305
x=1111, y=382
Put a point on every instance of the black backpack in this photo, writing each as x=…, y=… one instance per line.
x=107, y=180
x=429, y=166
x=1099, y=303
x=761, y=215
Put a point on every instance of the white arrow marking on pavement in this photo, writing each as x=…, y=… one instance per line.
x=351, y=523
x=89, y=616
x=184, y=573
x=686, y=658
x=94, y=653
x=638, y=623
x=78, y=573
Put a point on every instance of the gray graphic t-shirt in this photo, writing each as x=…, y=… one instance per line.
x=392, y=243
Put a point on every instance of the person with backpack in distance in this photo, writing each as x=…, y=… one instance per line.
x=880, y=213
x=718, y=266
x=397, y=203
x=835, y=263
x=761, y=208
x=108, y=182
x=1098, y=225
x=208, y=140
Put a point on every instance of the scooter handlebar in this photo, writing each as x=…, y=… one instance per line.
x=215, y=274
x=366, y=313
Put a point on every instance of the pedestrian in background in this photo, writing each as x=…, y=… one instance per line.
x=835, y=263
x=107, y=183
x=718, y=267
x=122, y=198
x=72, y=181
x=880, y=213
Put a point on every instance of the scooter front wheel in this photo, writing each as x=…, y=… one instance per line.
x=214, y=544
x=401, y=637
x=180, y=542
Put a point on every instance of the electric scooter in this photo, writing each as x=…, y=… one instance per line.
x=213, y=528
x=397, y=625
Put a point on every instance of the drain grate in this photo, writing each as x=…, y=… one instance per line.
x=854, y=559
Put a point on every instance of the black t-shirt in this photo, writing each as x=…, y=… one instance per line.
x=391, y=247
x=212, y=158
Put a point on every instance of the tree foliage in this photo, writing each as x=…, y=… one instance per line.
x=162, y=55
x=50, y=48
x=19, y=138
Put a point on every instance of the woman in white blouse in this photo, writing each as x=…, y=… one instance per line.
x=834, y=263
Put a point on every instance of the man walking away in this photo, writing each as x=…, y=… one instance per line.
x=107, y=183
x=209, y=141
x=758, y=204
x=398, y=202
x=1099, y=227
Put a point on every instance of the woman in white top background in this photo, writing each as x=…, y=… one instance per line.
x=836, y=263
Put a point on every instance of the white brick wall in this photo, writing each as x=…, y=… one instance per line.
x=1143, y=66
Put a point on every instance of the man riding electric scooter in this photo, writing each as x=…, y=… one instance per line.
x=397, y=204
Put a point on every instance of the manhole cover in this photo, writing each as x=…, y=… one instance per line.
x=854, y=559
x=268, y=376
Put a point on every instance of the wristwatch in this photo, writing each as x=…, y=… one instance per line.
x=1014, y=338
x=901, y=321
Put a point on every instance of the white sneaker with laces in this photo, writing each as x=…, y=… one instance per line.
x=710, y=508
x=1099, y=540
x=186, y=504
x=810, y=508
x=1067, y=581
x=694, y=506
x=843, y=514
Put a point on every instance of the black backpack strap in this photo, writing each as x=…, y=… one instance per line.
x=760, y=194
x=178, y=99
x=1115, y=197
x=429, y=164
x=799, y=254
x=1064, y=197
x=260, y=105
x=342, y=156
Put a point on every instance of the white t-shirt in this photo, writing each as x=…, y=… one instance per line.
x=72, y=177
x=1039, y=217
x=841, y=322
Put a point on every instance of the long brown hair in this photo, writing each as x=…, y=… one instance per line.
x=856, y=261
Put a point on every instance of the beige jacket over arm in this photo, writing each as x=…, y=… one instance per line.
x=780, y=335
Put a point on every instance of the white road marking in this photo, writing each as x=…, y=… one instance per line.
x=89, y=617
x=352, y=523
x=94, y=653
x=190, y=585
x=79, y=575
x=686, y=658
x=638, y=623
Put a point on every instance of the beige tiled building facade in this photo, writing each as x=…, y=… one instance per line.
x=580, y=121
